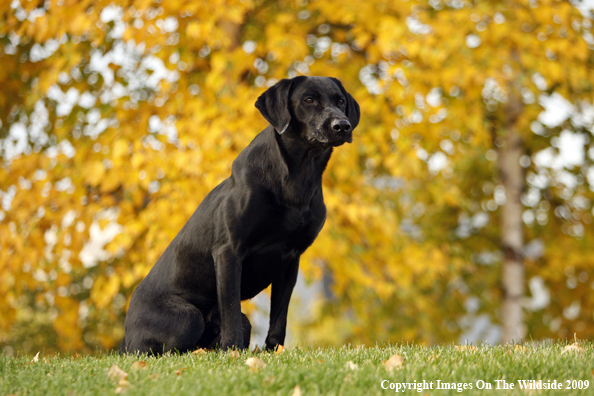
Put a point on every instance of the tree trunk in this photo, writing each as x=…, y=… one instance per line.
x=512, y=237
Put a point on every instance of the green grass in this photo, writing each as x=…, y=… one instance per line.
x=316, y=371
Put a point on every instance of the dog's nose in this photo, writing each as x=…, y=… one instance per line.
x=341, y=125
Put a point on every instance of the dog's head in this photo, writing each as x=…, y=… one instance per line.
x=319, y=108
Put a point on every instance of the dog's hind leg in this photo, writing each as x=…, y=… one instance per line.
x=122, y=348
x=168, y=323
x=211, y=337
x=246, y=329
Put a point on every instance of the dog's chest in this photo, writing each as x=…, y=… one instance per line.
x=299, y=226
x=285, y=237
x=294, y=219
x=288, y=230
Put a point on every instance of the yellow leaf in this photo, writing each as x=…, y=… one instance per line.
x=469, y=348
x=573, y=348
x=123, y=386
x=94, y=172
x=116, y=374
x=395, y=362
x=255, y=363
x=139, y=365
x=352, y=366
x=296, y=391
x=120, y=148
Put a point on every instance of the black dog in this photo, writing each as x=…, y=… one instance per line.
x=250, y=231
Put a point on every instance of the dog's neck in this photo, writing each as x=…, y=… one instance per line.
x=305, y=164
x=302, y=166
x=287, y=165
x=300, y=155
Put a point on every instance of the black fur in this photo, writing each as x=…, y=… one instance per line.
x=250, y=231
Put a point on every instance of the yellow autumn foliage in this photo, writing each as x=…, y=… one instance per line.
x=133, y=111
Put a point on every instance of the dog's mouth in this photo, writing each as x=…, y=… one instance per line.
x=331, y=141
x=348, y=138
x=340, y=142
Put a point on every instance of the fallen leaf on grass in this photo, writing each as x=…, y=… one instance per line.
x=200, y=351
x=123, y=386
x=573, y=348
x=531, y=391
x=139, y=365
x=351, y=366
x=116, y=374
x=279, y=349
x=268, y=380
x=256, y=350
x=35, y=358
x=255, y=363
x=180, y=371
x=520, y=348
x=296, y=391
x=234, y=354
x=396, y=361
x=465, y=347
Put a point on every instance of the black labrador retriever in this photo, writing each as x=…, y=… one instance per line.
x=250, y=231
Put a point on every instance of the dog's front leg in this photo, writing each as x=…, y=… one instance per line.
x=228, y=273
x=282, y=288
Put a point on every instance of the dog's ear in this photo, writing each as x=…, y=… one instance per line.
x=353, y=112
x=274, y=105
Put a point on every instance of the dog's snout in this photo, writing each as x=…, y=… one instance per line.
x=341, y=125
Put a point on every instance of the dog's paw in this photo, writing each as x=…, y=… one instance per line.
x=230, y=348
x=235, y=343
x=271, y=344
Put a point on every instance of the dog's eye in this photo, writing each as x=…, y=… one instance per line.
x=309, y=100
x=341, y=102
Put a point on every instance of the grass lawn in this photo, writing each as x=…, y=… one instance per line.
x=328, y=371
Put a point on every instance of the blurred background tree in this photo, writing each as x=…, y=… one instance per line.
x=469, y=178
